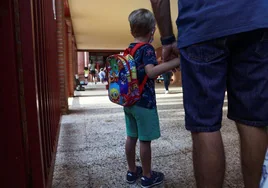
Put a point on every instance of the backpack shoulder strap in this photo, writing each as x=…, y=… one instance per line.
x=133, y=50
x=137, y=46
x=132, y=53
x=141, y=87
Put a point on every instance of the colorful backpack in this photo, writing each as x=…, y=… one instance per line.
x=123, y=85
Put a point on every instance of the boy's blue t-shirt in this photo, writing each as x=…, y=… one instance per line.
x=145, y=55
x=202, y=20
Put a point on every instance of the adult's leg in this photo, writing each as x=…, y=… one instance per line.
x=165, y=77
x=168, y=79
x=254, y=142
x=90, y=77
x=204, y=84
x=130, y=149
x=248, y=100
x=146, y=155
x=208, y=159
x=93, y=77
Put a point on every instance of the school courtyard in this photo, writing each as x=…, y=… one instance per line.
x=90, y=151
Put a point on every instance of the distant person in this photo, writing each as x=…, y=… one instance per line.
x=86, y=73
x=167, y=77
x=142, y=118
x=92, y=68
x=223, y=46
x=102, y=75
x=96, y=76
x=78, y=85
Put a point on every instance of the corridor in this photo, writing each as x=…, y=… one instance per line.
x=90, y=151
x=58, y=137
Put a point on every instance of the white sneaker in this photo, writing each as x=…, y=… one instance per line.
x=166, y=92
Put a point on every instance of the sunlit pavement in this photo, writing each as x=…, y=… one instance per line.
x=91, y=143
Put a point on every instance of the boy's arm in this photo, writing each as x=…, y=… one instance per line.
x=153, y=71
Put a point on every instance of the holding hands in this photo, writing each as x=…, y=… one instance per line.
x=170, y=52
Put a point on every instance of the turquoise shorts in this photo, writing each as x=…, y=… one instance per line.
x=142, y=123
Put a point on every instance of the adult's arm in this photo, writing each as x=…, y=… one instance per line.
x=161, y=9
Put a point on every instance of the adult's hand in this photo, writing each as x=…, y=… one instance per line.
x=170, y=51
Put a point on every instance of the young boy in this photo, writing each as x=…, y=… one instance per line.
x=142, y=118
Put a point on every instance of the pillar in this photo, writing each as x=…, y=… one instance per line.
x=70, y=63
x=61, y=39
x=81, y=64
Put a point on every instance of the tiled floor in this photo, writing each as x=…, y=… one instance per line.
x=91, y=144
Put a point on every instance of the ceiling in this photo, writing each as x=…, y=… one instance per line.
x=103, y=24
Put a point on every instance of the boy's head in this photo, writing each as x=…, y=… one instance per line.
x=142, y=23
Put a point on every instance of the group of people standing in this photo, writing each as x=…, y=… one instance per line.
x=92, y=73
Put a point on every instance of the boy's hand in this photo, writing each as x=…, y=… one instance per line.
x=170, y=51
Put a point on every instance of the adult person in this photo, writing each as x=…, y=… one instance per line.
x=86, y=73
x=92, y=69
x=223, y=45
x=167, y=77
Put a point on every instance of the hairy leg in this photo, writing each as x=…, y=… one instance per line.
x=208, y=159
